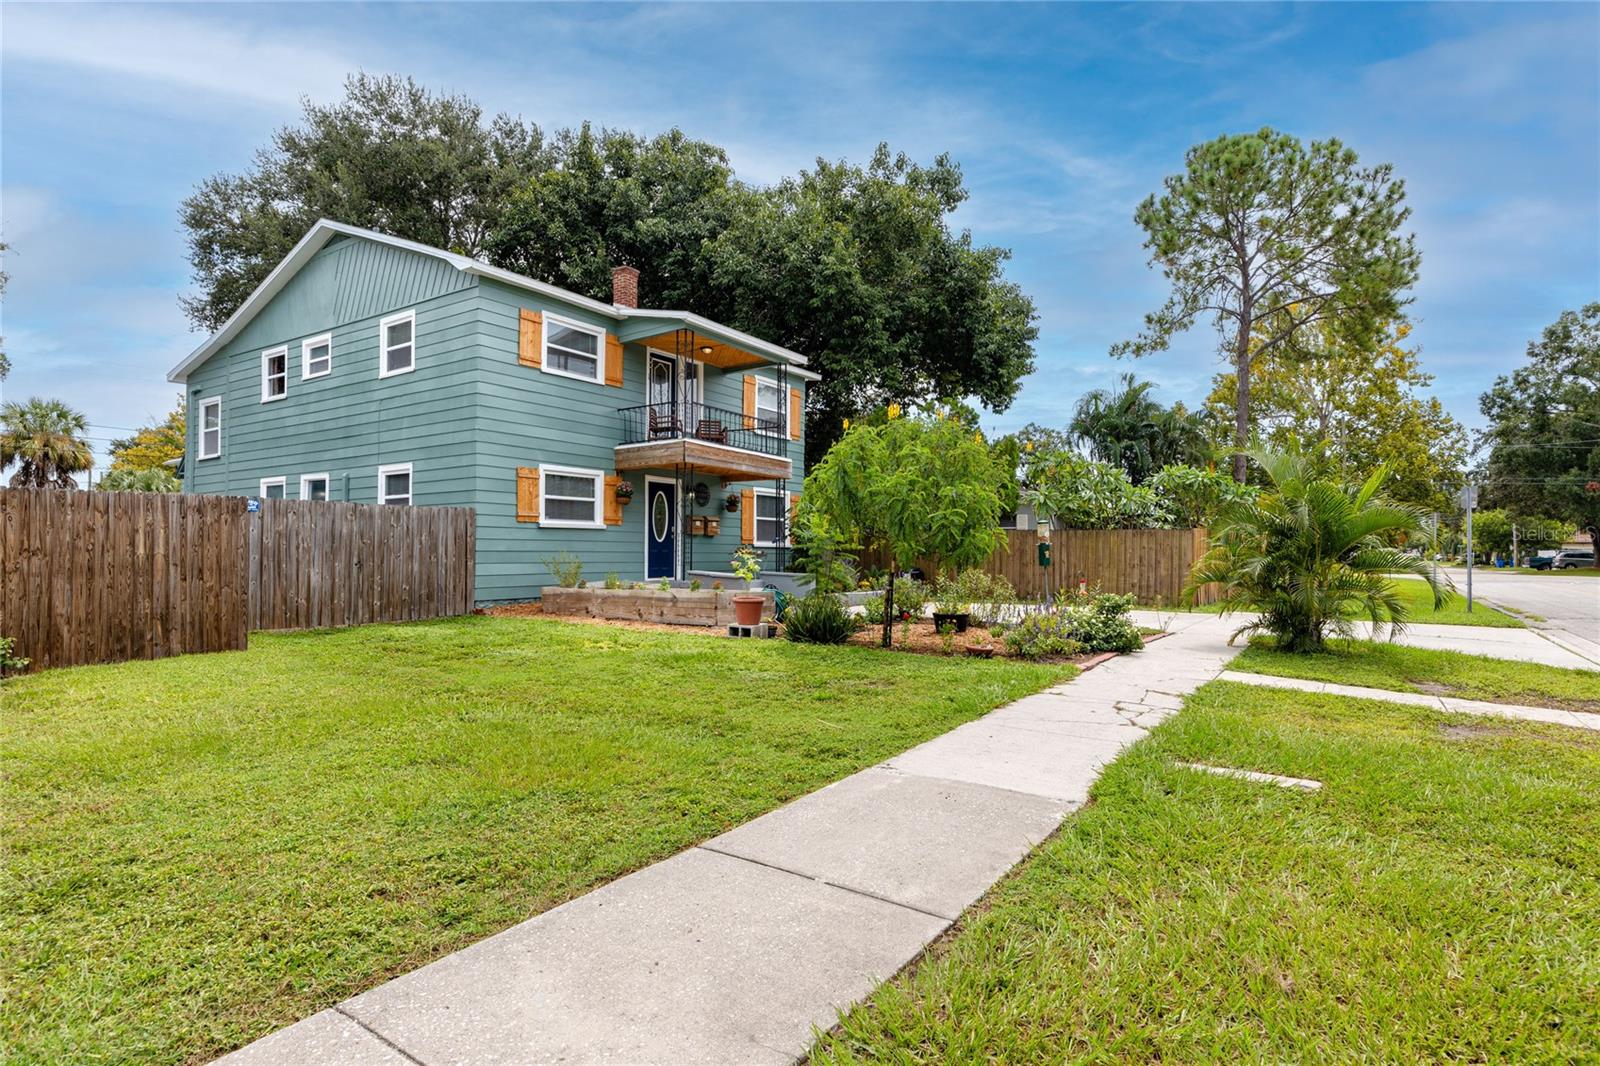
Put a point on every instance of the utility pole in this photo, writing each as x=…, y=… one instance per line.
x=1469, y=500
x=1513, y=545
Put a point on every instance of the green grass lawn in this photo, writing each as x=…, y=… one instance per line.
x=1454, y=612
x=203, y=849
x=1438, y=900
x=1376, y=664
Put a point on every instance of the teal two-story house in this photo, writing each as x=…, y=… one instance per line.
x=649, y=444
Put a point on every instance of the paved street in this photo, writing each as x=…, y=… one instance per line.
x=1569, y=605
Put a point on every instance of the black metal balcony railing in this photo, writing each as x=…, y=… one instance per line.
x=697, y=421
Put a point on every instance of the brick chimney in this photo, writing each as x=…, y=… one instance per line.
x=625, y=286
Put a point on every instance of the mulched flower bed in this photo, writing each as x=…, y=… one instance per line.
x=923, y=638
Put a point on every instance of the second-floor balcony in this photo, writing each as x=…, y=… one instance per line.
x=716, y=440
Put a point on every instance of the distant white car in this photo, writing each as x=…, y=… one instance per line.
x=1572, y=560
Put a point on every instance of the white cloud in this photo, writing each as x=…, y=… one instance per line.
x=165, y=48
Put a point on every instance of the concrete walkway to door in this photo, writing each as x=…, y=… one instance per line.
x=733, y=951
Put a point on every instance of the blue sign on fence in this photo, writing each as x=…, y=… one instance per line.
x=252, y=505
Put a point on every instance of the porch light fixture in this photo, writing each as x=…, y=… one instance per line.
x=705, y=349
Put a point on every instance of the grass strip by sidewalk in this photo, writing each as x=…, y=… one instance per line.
x=1453, y=613
x=1376, y=664
x=203, y=849
x=1437, y=900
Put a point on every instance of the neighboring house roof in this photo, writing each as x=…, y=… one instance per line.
x=326, y=229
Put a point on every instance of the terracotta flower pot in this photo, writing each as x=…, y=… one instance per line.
x=747, y=609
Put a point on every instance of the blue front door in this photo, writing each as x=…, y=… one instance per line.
x=661, y=498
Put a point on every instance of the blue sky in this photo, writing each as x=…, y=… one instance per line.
x=1063, y=118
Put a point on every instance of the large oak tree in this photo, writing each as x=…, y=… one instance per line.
x=856, y=266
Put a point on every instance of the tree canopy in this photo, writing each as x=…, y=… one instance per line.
x=912, y=488
x=1129, y=428
x=391, y=156
x=855, y=266
x=1268, y=236
x=1544, y=426
x=152, y=446
x=1363, y=406
x=45, y=439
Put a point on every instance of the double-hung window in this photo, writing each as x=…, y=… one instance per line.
x=274, y=374
x=394, y=484
x=313, y=486
x=570, y=497
x=770, y=518
x=272, y=488
x=572, y=348
x=210, y=427
x=316, y=356
x=397, y=344
x=769, y=407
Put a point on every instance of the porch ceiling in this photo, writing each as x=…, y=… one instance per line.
x=706, y=350
x=730, y=464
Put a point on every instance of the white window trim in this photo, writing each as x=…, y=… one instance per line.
x=782, y=430
x=383, y=343
x=281, y=482
x=411, y=482
x=755, y=519
x=327, y=338
x=267, y=356
x=583, y=327
x=200, y=441
x=328, y=491
x=569, y=523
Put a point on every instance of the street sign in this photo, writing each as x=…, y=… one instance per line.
x=1468, y=497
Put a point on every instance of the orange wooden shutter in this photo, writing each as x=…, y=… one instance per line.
x=530, y=337
x=747, y=513
x=527, y=494
x=749, y=401
x=613, y=505
x=613, y=363
x=797, y=413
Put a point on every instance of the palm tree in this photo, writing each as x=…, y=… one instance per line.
x=46, y=438
x=1129, y=428
x=1311, y=554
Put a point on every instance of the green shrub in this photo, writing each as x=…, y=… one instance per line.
x=1100, y=622
x=983, y=593
x=613, y=580
x=566, y=568
x=1041, y=635
x=11, y=663
x=910, y=597
x=820, y=618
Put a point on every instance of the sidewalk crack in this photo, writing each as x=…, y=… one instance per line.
x=379, y=1037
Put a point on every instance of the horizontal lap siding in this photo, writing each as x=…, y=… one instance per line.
x=350, y=422
x=527, y=417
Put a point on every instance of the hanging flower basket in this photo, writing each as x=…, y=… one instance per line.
x=732, y=502
x=624, y=491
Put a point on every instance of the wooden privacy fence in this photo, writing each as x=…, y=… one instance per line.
x=1153, y=564
x=88, y=577
x=92, y=577
x=314, y=564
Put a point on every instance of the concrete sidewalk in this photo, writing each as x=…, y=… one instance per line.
x=736, y=950
x=1555, y=715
